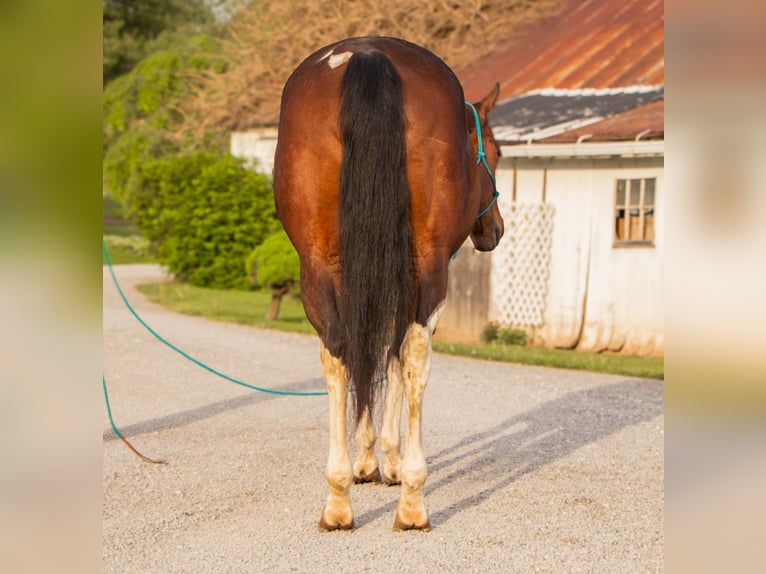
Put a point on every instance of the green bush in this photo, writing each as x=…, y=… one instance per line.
x=203, y=214
x=512, y=336
x=274, y=263
x=489, y=333
x=493, y=333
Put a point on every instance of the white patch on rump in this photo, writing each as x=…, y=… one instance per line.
x=335, y=60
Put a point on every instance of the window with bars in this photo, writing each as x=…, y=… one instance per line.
x=634, y=212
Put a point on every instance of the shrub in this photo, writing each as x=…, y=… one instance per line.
x=274, y=262
x=512, y=336
x=489, y=333
x=493, y=333
x=203, y=214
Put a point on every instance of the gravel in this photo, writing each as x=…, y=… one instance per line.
x=531, y=469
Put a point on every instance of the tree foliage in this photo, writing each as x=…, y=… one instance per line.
x=203, y=214
x=201, y=210
x=133, y=29
x=275, y=262
x=143, y=119
x=267, y=39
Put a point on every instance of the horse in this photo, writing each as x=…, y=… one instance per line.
x=381, y=172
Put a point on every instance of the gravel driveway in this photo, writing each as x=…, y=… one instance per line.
x=531, y=469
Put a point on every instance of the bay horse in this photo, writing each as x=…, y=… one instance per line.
x=381, y=172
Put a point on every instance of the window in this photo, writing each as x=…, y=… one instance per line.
x=634, y=211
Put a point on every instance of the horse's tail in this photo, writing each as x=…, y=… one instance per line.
x=377, y=283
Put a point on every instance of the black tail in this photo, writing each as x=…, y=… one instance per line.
x=376, y=240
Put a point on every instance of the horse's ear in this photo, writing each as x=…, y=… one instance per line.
x=488, y=103
x=483, y=108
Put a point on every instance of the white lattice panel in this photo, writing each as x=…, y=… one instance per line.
x=521, y=264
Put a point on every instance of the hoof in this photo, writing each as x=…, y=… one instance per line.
x=363, y=477
x=392, y=480
x=325, y=527
x=400, y=525
x=391, y=475
x=327, y=524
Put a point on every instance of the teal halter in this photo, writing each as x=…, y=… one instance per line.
x=482, y=158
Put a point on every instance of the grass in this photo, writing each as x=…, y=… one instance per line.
x=243, y=307
x=126, y=244
x=121, y=229
x=650, y=368
x=250, y=307
x=124, y=249
x=124, y=240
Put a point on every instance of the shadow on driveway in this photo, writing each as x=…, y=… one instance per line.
x=528, y=441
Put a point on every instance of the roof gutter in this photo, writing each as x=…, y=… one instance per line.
x=585, y=149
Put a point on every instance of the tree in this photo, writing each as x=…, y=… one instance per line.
x=201, y=209
x=274, y=264
x=267, y=39
x=133, y=29
x=142, y=115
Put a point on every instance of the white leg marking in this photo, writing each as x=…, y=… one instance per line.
x=337, y=510
x=416, y=368
x=366, y=465
x=390, y=435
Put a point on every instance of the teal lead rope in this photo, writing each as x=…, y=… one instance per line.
x=183, y=353
x=187, y=355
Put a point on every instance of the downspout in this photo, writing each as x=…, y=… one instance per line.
x=587, y=272
x=585, y=295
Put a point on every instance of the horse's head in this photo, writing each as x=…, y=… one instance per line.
x=489, y=226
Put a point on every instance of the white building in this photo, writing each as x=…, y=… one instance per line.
x=581, y=179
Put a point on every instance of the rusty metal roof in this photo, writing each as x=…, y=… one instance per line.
x=589, y=44
x=589, y=71
x=645, y=122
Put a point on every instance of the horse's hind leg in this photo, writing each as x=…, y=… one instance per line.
x=390, y=434
x=416, y=366
x=366, y=464
x=336, y=513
